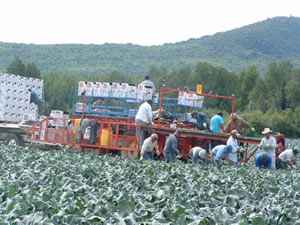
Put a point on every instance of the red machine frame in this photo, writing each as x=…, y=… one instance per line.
x=123, y=137
x=166, y=90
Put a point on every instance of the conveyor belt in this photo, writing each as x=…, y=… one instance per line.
x=203, y=134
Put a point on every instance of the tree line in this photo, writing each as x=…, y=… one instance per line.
x=18, y=67
x=274, y=93
x=276, y=90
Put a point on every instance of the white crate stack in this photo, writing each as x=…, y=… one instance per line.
x=115, y=90
x=15, y=103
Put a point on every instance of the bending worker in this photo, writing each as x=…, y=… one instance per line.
x=171, y=147
x=220, y=153
x=149, y=145
x=199, y=154
x=287, y=159
x=267, y=147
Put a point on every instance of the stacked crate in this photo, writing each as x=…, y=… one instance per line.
x=15, y=103
x=115, y=90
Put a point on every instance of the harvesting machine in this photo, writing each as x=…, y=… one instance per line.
x=110, y=127
x=103, y=120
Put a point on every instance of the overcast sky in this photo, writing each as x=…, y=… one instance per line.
x=145, y=22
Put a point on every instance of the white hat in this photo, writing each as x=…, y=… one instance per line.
x=266, y=131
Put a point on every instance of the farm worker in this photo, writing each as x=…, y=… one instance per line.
x=171, y=147
x=148, y=147
x=197, y=154
x=217, y=123
x=148, y=83
x=268, y=145
x=83, y=131
x=287, y=159
x=34, y=98
x=143, y=121
x=233, y=141
x=94, y=130
x=280, y=140
x=237, y=123
x=221, y=152
x=263, y=160
x=191, y=118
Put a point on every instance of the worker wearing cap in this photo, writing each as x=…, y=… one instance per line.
x=287, y=159
x=143, y=121
x=268, y=146
x=171, y=147
x=149, y=145
x=221, y=152
x=198, y=154
x=233, y=142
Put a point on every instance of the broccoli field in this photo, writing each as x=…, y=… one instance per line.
x=64, y=187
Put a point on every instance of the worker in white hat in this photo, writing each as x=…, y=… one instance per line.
x=268, y=145
x=233, y=141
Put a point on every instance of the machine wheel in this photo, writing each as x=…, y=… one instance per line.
x=14, y=140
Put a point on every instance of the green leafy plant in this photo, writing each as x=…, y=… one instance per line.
x=63, y=187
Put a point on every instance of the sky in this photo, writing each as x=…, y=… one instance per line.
x=143, y=22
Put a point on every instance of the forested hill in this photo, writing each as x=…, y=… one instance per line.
x=259, y=43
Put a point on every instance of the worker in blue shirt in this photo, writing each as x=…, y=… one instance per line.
x=221, y=152
x=217, y=123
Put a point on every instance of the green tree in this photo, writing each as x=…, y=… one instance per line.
x=216, y=80
x=32, y=71
x=159, y=75
x=247, y=82
x=258, y=97
x=276, y=79
x=60, y=90
x=17, y=67
x=292, y=90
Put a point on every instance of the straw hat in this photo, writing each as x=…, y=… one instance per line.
x=234, y=132
x=266, y=131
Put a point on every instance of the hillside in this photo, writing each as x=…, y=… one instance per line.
x=259, y=43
